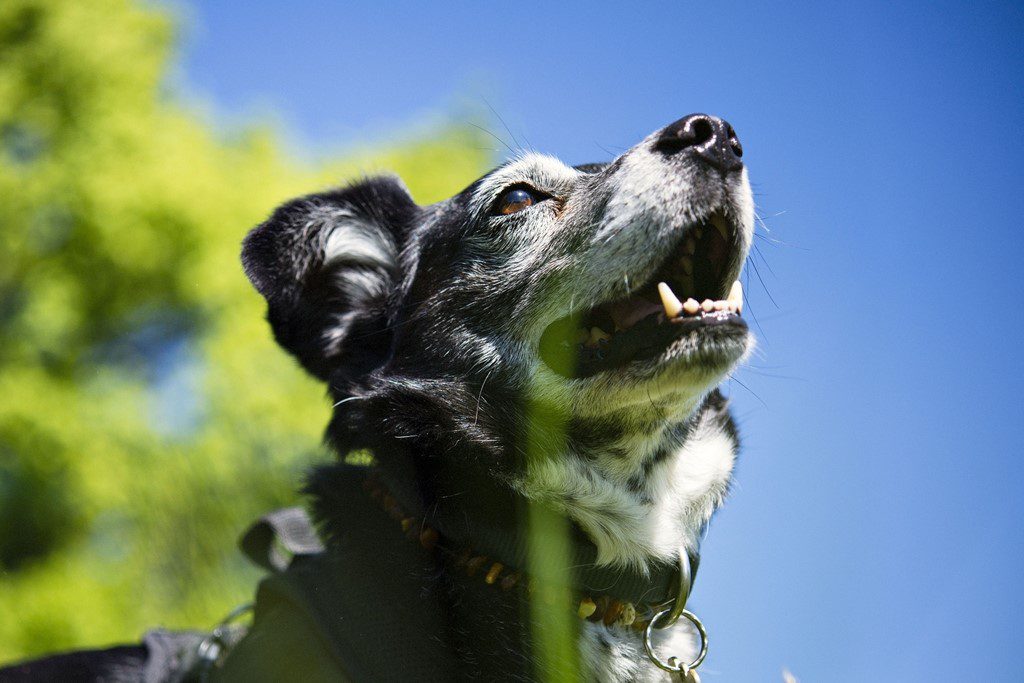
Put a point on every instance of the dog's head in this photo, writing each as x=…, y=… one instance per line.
x=539, y=272
x=538, y=281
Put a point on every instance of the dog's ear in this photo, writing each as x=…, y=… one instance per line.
x=327, y=265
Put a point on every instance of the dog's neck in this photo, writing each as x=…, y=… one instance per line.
x=637, y=491
x=641, y=486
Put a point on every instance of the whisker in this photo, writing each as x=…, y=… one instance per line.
x=479, y=396
x=764, y=260
x=511, y=151
x=752, y=392
x=761, y=279
x=505, y=125
x=750, y=308
x=795, y=378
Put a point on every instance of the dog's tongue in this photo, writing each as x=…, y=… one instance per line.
x=628, y=312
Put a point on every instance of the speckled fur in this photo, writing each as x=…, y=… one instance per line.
x=425, y=322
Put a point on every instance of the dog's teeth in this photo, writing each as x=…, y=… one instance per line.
x=736, y=296
x=597, y=335
x=673, y=307
x=687, y=263
x=708, y=305
x=586, y=608
x=721, y=305
x=691, y=306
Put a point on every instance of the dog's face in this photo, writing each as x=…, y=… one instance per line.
x=544, y=274
x=573, y=289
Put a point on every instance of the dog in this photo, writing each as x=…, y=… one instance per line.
x=552, y=337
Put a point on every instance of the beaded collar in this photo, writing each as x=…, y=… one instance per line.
x=638, y=600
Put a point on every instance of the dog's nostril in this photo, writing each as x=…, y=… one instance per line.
x=703, y=137
x=702, y=131
x=696, y=131
x=734, y=141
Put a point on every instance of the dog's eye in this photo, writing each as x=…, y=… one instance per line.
x=516, y=199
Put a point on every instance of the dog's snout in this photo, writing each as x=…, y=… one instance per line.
x=707, y=137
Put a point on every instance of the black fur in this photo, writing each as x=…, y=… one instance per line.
x=284, y=259
x=424, y=350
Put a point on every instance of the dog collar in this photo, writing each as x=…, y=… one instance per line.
x=645, y=602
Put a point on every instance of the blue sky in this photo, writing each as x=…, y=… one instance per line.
x=875, y=529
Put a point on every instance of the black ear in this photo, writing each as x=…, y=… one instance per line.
x=327, y=264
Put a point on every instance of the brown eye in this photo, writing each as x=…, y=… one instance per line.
x=514, y=200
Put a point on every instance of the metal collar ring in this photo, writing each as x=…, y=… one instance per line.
x=671, y=664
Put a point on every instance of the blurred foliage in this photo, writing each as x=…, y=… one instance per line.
x=145, y=413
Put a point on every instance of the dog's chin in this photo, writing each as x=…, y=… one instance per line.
x=709, y=351
x=686, y=369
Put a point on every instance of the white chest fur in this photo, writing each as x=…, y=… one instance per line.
x=636, y=510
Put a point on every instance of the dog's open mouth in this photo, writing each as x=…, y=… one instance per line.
x=685, y=295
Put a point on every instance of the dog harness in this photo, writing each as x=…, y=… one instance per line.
x=310, y=586
x=348, y=611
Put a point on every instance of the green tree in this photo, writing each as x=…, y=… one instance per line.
x=146, y=414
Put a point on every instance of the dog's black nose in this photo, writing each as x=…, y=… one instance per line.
x=708, y=137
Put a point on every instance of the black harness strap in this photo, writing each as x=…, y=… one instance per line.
x=356, y=611
x=163, y=657
x=277, y=537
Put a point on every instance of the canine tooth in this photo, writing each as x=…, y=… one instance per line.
x=598, y=335
x=721, y=305
x=691, y=306
x=736, y=296
x=708, y=305
x=673, y=307
x=687, y=263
